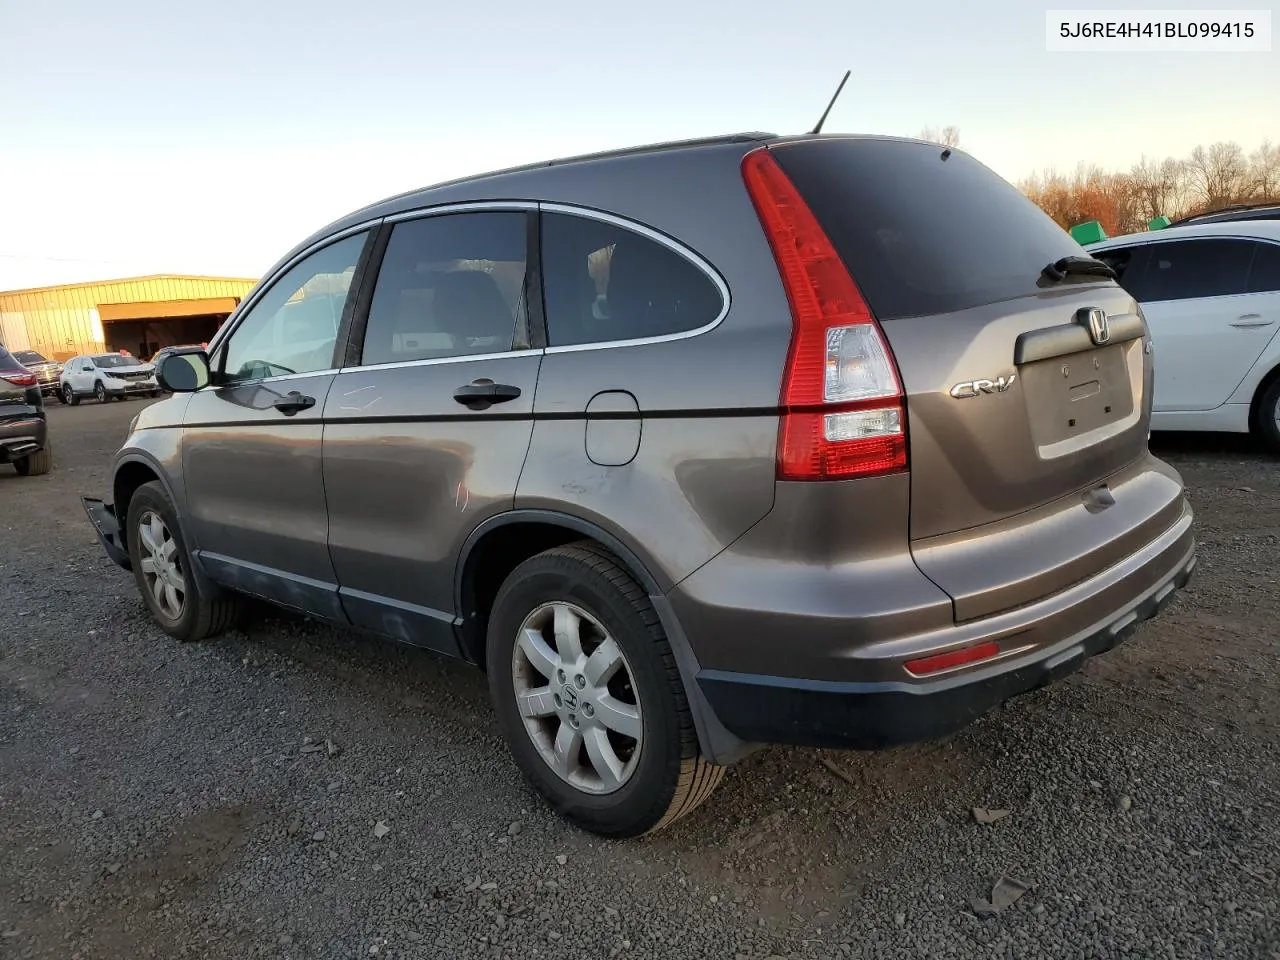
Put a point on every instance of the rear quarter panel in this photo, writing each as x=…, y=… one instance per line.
x=705, y=467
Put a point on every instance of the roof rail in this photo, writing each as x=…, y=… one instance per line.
x=581, y=158
x=1228, y=209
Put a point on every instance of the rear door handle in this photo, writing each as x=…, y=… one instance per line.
x=480, y=394
x=292, y=402
x=1251, y=320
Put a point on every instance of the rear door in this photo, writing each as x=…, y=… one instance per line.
x=1015, y=409
x=427, y=429
x=1207, y=328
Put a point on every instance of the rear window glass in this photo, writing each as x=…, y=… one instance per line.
x=602, y=282
x=922, y=235
x=1264, y=276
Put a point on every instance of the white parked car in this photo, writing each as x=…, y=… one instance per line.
x=106, y=376
x=1211, y=296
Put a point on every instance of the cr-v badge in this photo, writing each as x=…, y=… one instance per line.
x=972, y=388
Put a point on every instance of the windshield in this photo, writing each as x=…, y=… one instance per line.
x=29, y=356
x=114, y=360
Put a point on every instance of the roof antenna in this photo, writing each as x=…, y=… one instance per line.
x=823, y=119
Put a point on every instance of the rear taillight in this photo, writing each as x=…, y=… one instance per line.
x=19, y=378
x=842, y=406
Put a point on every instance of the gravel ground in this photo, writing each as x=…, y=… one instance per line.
x=299, y=792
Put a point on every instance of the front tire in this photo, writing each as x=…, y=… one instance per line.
x=588, y=696
x=35, y=464
x=162, y=569
x=100, y=392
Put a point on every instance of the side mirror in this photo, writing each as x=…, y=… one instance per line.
x=184, y=372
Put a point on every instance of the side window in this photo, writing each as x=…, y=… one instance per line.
x=294, y=326
x=449, y=286
x=1188, y=269
x=1264, y=276
x=603, y=282
x=1128, y=263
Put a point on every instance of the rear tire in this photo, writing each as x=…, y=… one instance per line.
x=1265, y=425
x=649, y=780
x=35, y=464
x=175, y=597
x=68, y=396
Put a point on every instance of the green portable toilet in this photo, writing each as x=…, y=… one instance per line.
x=1089, y=232
x=1159, y=223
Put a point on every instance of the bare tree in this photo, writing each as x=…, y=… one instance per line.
x=1159, y=188
x=948, y=136
x=1211, y=177
x=1219, y=175
x=1264, y=172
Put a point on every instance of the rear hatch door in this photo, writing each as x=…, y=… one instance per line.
x=1026, y=390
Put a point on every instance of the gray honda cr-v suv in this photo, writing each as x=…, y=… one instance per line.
x=829, y=440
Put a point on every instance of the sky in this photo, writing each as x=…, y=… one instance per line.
x=143, y=136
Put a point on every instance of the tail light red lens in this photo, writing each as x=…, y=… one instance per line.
x=19, y=378
x=841, y=405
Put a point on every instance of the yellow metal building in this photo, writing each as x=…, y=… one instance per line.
x=140, y=314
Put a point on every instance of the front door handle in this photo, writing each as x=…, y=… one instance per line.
x=292, y=402
x=481, y=394
x=1251, y=320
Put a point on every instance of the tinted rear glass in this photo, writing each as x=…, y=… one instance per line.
x=923, y=235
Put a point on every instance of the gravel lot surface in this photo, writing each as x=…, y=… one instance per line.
x=300, y=792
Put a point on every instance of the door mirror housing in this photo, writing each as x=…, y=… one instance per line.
x=184, y=372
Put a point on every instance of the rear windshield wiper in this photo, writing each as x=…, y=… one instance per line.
x=1083, y=266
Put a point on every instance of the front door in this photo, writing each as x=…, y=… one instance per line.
x=426, y=434
x=252, y=439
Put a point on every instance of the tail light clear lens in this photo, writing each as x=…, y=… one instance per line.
x=858, y=366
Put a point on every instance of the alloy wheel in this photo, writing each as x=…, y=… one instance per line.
x=577, y=698
x=161, y=567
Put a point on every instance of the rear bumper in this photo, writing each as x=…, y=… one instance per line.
x=18, y=438
x=103, y=518
x=1041, y=643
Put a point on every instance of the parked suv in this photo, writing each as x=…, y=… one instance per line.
x=47, y=371
x=831, y=440
x=24, y=435
x=107, y=376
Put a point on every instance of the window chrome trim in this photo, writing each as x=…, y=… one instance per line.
x=279, y=378
x=662, y=240
x=233, y=322
x=437, y=361
x=465, y=206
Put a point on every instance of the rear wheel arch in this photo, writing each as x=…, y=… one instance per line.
x=490, y=555
x=500, y=544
